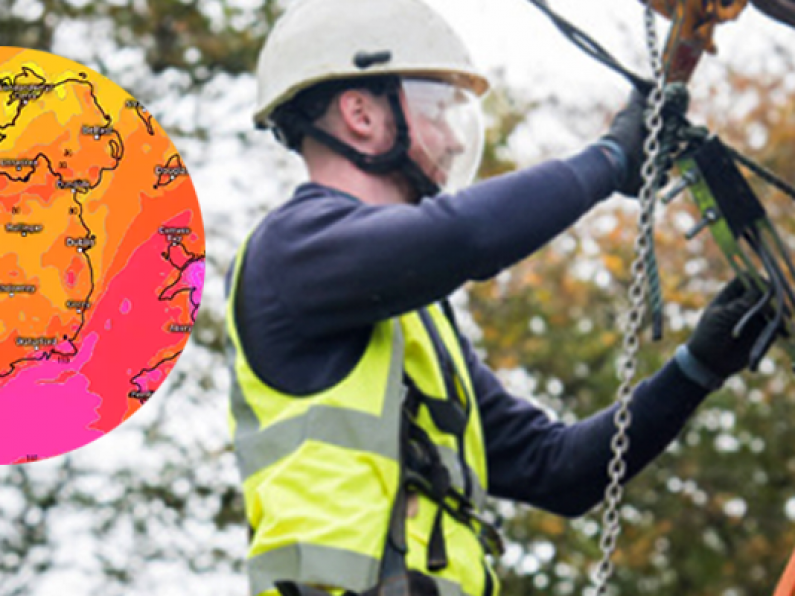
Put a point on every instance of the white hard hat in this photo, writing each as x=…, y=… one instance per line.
x=325, y=40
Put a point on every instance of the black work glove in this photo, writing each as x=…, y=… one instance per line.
x=713, y=342
x=628, y=131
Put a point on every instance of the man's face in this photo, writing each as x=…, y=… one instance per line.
x=435, y=145
x=446, y=131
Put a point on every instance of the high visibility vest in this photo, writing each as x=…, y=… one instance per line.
x=321, y=472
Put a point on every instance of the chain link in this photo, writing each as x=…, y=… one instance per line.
x=611, y=518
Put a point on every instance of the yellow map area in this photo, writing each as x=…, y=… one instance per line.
x=60, y=149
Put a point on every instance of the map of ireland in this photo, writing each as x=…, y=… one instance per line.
x=102, y=261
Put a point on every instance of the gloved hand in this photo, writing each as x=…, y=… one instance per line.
x=713, y=343
x=628, y=131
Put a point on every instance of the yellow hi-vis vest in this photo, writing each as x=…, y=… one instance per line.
x=321, y=472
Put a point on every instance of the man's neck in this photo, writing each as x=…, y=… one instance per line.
x=369, y=188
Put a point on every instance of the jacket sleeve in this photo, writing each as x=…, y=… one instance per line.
x=563, y=468
x=338, y=264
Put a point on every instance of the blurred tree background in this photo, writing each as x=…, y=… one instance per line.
x=158, y=512
x=155, y=508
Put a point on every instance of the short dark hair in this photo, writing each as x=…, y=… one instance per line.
x=313, y=102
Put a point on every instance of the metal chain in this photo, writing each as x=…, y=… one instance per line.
x=611, y=518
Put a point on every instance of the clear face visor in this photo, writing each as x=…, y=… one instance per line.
x=447, y=131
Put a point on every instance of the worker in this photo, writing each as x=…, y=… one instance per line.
x=367, y=430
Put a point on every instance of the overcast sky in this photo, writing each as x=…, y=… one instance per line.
x=513, y=34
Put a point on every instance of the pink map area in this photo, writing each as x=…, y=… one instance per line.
x=36, y=421
x=61, y=403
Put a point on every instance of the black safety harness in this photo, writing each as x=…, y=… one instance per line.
x=422, y=471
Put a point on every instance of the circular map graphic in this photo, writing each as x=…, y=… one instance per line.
x=102, y=260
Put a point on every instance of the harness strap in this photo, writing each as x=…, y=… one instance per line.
x=437, y=550
x=448, y=417
x=426, y=473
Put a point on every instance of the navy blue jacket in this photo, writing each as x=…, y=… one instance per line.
x=323, y=268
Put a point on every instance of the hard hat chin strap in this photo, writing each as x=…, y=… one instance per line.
x=396, y=159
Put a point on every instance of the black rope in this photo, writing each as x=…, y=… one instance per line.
x=596, y=51
x=763, y=173
x=591, y=47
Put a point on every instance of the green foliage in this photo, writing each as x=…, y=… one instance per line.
x=200, y=39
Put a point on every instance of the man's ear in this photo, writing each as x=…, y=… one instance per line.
x=356, y=110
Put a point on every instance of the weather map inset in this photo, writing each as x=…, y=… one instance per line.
x=101, y=255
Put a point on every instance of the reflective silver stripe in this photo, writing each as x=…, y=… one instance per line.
x=246, y=422
x=324, y=566
x=447, y=587
x=452, y=462
x=259, y=448
x=312, y=564
x=340, y=427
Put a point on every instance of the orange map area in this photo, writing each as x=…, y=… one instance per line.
x=102, y=265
